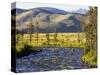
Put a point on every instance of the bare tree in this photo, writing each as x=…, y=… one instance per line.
x=78, y=38
x=55, y=35
x=37, y=29
x=31, y=27
x=22, y=31
x=47, y=33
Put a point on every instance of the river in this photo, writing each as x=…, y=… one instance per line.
x=51, y=59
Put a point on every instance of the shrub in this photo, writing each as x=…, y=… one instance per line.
x=26, y=50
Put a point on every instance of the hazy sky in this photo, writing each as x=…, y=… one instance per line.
x=24, y=5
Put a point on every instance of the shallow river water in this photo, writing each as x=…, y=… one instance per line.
x=51, y=59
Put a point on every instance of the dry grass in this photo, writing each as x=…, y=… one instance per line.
x=63, y=40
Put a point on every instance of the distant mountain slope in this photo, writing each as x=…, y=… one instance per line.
x=53, y=10
x=44, y=16
x=18, y=11
x=81, y=11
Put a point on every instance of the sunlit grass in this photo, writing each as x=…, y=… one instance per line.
x=90, y=58
x=63, y=40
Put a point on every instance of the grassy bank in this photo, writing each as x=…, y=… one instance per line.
x=62, y=40
x=90, y=58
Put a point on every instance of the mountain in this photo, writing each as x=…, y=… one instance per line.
x=17, y=11
x=40, y=9
x=44, y=16
x=52, y=10
x=81, y=11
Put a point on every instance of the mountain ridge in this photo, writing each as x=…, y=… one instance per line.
x=61, y=20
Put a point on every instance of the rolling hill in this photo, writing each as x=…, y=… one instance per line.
x=47, y=19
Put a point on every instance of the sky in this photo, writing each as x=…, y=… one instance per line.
x=29, y=5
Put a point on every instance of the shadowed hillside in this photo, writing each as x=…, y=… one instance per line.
x=63, y=21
